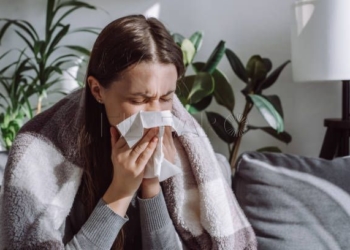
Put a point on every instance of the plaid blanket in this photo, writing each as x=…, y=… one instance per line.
x=44, y=172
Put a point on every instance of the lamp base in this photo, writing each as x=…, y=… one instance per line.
x=336, y=140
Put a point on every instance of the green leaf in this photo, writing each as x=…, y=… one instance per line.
x=276, y=102
x=198, y=66
x=215, y=58
x=75, y=4
x=59, y=64
x=3, y=70
x=7, y=118
x=8, y=143
x=267, y=110
x=27, y=109
x=178, y=38
x=256, y=69
x=236, y=65
x=222, y=127
x=183, y=88
x=38, y=46
x=4, y=29
x=283, y=136
x=59, y=23
x=268, y=64
x=223, y=92
x=58, y=38
x=269, y=149
x=19, y=23
x=197, y=39
x=87, y=30
x=65, y=56
x=5, y=99
x=5, y=54
x=271, y=79
x=31, y=28
x=25, y=40
x=188, y=51
x=79, y=49
x=199, y=106
x=50, y=13
x=203, y=86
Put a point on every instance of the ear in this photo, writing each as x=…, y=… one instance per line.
x=96, y=89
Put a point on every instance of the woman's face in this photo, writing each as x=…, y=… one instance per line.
x=145, y=86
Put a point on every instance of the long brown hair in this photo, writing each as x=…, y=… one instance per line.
x=122, y=43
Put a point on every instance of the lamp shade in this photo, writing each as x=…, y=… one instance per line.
x=320, y=39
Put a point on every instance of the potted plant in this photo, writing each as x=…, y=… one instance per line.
x=40, y=66
x=14, y=100
x=196, y=92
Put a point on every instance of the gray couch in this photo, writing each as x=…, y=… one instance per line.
x=295, y=202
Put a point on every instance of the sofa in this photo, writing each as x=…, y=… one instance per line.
x=295, y=202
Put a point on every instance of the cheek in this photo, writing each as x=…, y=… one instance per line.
x=167, y=105
x=120, y=111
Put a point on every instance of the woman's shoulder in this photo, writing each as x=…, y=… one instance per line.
x=57, y=126
x=64, y=111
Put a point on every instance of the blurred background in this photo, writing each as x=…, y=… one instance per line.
x=249, y=27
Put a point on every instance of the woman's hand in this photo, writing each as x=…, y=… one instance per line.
x=151, y=187
x=129, y=165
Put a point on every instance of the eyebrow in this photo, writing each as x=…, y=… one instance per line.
x=148, y=96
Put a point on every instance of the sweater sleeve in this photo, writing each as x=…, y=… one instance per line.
x=158, y=231
x=99, y=231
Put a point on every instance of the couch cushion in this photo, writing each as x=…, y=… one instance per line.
x=295, y=202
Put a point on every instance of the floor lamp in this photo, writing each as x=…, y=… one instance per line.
x=321, y=52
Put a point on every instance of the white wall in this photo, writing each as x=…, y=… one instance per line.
x=249, y=27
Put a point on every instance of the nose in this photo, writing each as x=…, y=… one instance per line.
x=154, y=105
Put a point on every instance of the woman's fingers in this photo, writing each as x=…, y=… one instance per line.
x=147, y=153
x=143, y=143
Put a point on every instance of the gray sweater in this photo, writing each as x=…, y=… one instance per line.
x=147, y=226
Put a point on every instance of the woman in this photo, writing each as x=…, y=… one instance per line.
x=71, y=181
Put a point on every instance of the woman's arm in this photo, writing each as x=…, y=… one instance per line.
x=157, y=228
x=99, y=231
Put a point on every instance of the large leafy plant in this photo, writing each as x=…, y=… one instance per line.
x=196, y=92
x=14, y=105
x=41, y=63
x=48, y=56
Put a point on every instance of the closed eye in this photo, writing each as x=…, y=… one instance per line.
x=167, y=100
x=138, y=101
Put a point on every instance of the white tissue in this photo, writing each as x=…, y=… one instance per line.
x=132, y=129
